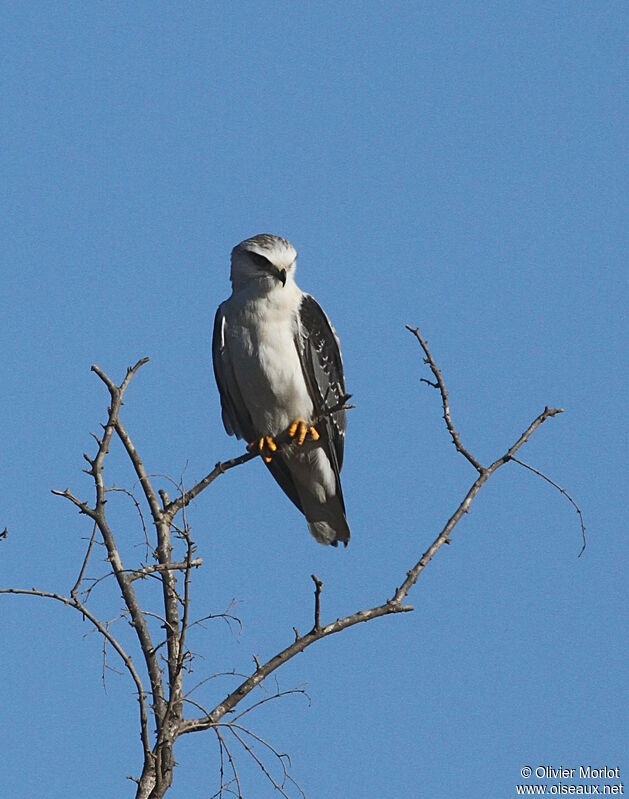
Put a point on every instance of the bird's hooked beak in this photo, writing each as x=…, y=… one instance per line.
x=281, y=276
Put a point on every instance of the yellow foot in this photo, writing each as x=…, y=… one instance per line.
x=265, y=446
x=300, y=430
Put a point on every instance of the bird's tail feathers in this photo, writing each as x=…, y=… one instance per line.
x=327, y=522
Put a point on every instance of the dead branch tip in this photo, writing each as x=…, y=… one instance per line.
x=139, y=364
x=317, y=610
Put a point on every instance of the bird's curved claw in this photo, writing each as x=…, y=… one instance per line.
x=300, y=430
x=264, y=446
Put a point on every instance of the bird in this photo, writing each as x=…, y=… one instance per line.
x=278, y=367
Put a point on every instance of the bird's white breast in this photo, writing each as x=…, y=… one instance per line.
x=260, y=339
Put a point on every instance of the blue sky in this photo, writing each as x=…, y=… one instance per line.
x=457, y=166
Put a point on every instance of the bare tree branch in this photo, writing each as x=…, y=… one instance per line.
x=167, y=691
x=122, y=576
x=232, y=673
x=133, y=498
x=145, y=571
x=561, y=491
x=168, y=722
x=74, y=591
x=82, y=506
x=73, y=602
x=277, y=695
x=225, y=786
x=239, y=734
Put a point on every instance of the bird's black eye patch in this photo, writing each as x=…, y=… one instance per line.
x=260, y=260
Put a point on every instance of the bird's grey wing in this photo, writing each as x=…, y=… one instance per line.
x=236, y=417
x=320, y=355
x=322, y=366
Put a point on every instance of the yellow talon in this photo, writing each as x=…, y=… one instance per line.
x=265, y=446
x=300, y=430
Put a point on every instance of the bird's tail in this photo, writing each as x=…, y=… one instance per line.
x=326, y=520
x=312, y=484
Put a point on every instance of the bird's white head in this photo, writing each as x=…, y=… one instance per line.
x=270, y=260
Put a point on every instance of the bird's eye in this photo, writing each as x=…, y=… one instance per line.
x=260, y=260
